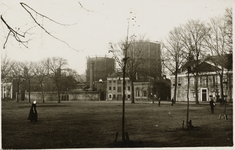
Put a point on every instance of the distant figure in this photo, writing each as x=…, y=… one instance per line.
x=33, y=115
x=172, y=101
x=159, y=102
x=212, y=104
x=154, y=97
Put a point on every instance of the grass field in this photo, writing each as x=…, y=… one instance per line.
x=93, y=124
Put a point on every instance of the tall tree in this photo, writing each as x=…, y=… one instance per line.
x=27, y=74
x=216, y=42
x=174, y=55
x=16, y=75
x=136, y=54
x=40, y=73
x=56, y=65
x=192, y=37
x=228, y=17
x=6, y=68
x=134, y=51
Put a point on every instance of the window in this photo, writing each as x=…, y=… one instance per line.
x=114, y=96
x=119, y=89
x=192, y=81
x=129, y=88
x=203, y=81
x=110, y=81
x=110, y=88
x=119, y=82
x=179, y=80
x=186, y=80
x=210, y=80
x=137, y=93
x=114, y=81
x=110, y=96
x=145, y=93
x=129, y=96
x=114, y=88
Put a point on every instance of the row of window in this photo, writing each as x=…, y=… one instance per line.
x=119, y=97
x=119, y=88
x=144, y=94
x=118, y=81
x=202, y=81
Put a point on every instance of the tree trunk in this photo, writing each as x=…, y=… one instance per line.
x=221, y=84
x=188, y=99
x=196, y=81
x=196, y=88
x=42, y=93
x=29, y=89
x=18, y=87
x=175, y=90
x=132, y=92
x=58, y=92
x=229, y=99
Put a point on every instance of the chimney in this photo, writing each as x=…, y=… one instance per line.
x=91, y=75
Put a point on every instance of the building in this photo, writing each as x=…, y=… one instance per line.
x=150, y=57
x=209, y=80
x=99, y=68
x=115, y=87
x=143, y=87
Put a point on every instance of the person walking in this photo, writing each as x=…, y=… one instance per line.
x=212, y=104
x=33, y=115
x=159, y=102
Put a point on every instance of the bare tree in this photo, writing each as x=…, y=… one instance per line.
x=133, y=51
x=192, y=37
x=174, y=56
x=228, y=17
x=216, y=42
x=6, y=68
x=22, y=35
x=27, y=73
x=17, y=77
x=56, y=65
x=40, y=72
x=136, y=54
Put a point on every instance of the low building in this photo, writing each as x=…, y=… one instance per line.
x=209, y=80
x=143, y=87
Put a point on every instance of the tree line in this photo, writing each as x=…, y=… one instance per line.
x=54, y=69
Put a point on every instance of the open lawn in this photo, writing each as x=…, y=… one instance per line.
x=93, y=124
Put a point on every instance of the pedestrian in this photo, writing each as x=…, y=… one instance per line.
x=154, y=97
x=172, y=101
x=212, y=104
x=33, y=115
x=159, y=101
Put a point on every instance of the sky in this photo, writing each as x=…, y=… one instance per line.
x=87, y=32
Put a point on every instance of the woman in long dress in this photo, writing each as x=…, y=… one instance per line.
x=33, y=115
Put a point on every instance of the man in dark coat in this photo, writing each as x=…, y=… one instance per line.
x=212, y=104
x=33, y=115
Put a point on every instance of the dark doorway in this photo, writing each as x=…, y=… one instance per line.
x=204, y=94
x=102, y=96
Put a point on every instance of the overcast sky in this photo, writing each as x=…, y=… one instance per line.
x=90, y=32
